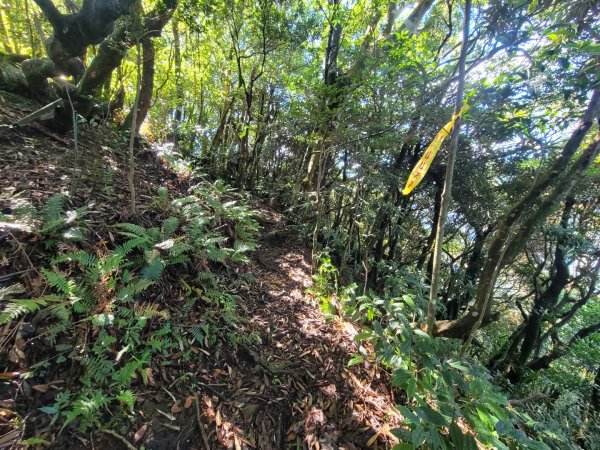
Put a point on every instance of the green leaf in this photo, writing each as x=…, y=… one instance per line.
x=403, y=446
x=456, y=435
x=434, y=417
x=35, y=441
x=48, y=409
x=355, y=360
x=361, y=336
x=418, y=436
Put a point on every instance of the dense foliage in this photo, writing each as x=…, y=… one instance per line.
x=323, y=109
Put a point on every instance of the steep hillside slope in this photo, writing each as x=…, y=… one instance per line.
x=159, y=329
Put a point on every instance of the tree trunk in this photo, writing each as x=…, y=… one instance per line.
x=416, y=16
x=178, y=112
x=529, y=203
x=5, y=43
x=595, y=397
x=146, y=89
x=447, y=192
x=549, y=297
x=114, y=48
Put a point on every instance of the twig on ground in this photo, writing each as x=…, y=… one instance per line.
x=199, y=419
x=520, y=401
x=119, y=437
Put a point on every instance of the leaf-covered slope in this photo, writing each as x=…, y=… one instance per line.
x=142, y=329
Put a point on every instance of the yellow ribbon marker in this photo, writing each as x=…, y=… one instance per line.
x=422, y=166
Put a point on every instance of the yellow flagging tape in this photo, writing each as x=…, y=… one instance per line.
x=422, y=166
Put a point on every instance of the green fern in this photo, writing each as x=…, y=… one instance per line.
x=240, y=248
x=154, y=269
x=58, y=311
x=134, y=287
x=17, y=308
x=207, y=278
x=56, y=329
x=180, y=248
x=53, y=209
x=126, y=374
x=127, y=247
x=85, y=259
x=217, y=254
x=169, y=226
x=12, y=289
x=58, y=281
x=198, y=334
x=188, y=306
x=86, y=408
x=83, y=299
x=98, y=369
x=127, y=399
x=148, y=311
x=74, y=234
x=131, y=229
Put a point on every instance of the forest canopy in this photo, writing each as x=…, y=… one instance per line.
x=475, y=291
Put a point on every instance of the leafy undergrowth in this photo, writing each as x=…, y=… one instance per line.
x=158, y=330
x=451, y=401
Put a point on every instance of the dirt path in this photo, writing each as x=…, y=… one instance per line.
x=295, y=389
x=289, y=388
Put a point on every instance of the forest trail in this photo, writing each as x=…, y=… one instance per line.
x=295, y=389
x=288, y=387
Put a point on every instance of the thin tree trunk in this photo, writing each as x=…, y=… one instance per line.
x=146, y=88
x=595, y=397
x=131, y=174
x=178, y=113
x=14, y=33
x=32, y=42
x=447, y=192
x=529, y=203
x=416, y=16
x=39, y=28
x=7, y=48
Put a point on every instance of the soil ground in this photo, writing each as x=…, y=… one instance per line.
x=289, y=386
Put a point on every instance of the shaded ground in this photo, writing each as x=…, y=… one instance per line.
x=295, y=388
x=286, y=385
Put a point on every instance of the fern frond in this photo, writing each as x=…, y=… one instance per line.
x=217, y=254
x=154, y=234
x=126, y=374
x=98, y=368
x=127, y=399
x=243, y=247
x=59, y=311
x=86, y=407
x=149, y=310
x=58, y=281
x=179, y=248
x=74, y=234
x=54, y=330
x=240, y=248
x=132, y=228
x=198, y=334
x=127, y=247
x=169, y=226
x=16, y=308
x=180, y=259
x=207, y=277
x=83, y=299
x=133, y=288
x=187, y=307
x=153, y=270
x=85, y=259
x=53, y=208
x=17, y=288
